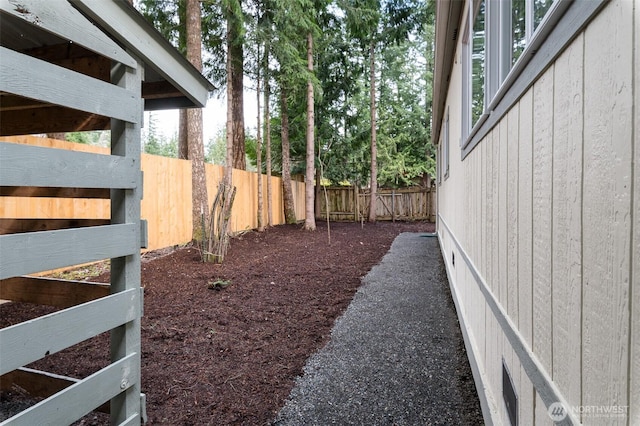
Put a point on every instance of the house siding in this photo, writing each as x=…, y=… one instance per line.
x=540, y=231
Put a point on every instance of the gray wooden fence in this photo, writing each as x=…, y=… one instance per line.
x=348, y=203
x=37, y=171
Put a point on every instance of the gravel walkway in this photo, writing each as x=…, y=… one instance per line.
x=396, y=356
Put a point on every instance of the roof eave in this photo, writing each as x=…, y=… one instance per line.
x=133, y=31
x=448, y=16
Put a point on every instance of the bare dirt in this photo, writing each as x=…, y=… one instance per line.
x=230, y=356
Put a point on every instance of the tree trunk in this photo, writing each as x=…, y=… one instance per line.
x=237, y=85
x=183, y=141
x=259, y=148
x=374, y=149
x=228, y=170
x=318, y=188
x=310, y=220
x=194, y=126
x=267, y=135
x=287, y=194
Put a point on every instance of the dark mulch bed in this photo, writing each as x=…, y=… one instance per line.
x=231, y=356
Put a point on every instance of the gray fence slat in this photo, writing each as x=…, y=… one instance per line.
x=32, y=340
x=36, y=79
x=79, y=399
x=27, y=165
x=65, y=21
x=132, y=421
x=27, y=253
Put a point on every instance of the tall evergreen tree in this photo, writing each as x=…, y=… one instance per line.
x=194, y=125
x=310, y=220
x=235, y=55
x=363, y=19
x=367, y=86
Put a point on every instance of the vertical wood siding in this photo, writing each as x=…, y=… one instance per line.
x=525, y=242
x=547, y=208
x=542, y=207
x=634, y=397
x=607, y=205
x=566, y=258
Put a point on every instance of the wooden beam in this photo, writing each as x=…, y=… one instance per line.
x=46, y=118
x=17, y=226
x=55, y=118
x=51, y=292
x=34, y=78
x=9, y=102
x=60, y=52
x=63, y=20
x=40, y=384
x=160, y=90
x=32, y=252
x=32, y=340
x=37, y=383
x=74, y=57
x=83, y=395
x=26, y=165
x=53, y=192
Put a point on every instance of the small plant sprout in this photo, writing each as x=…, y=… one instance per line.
x=218, y=284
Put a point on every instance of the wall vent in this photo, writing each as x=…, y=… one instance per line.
x=509, y=396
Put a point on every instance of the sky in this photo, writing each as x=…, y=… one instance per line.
x=214, y=117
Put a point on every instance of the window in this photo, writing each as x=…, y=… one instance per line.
x=443, y=152
x=526, y=17
x=477, y=64
x=519, y=36
x=496, y=35
x=518, y=30
x=540, y=9
x=439, y=165
x=445, y=146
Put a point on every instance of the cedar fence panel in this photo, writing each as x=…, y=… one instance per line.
x=346, y=203
x=166, y=202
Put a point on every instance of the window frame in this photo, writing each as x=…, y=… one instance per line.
x=506, y=83
x=467, y=69
x=446, y=145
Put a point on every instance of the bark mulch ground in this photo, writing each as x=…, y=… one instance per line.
x=230, y=356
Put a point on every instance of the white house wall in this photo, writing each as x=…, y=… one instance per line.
x=635, y=257
x=542, y=220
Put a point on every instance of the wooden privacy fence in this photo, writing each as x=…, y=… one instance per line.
x=166, y=201
x=349, y=203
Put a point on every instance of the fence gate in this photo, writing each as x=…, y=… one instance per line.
x=349, y=203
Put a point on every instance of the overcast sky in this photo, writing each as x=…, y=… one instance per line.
x=214, y=117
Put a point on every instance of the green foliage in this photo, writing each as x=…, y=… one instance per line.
x=403, y=129
x=218, y=284
x=97, y=138
x=162, y=146
x=168, y=17
x=157, y=144
x=401, y=31
x=250, y=143
x=216, y=149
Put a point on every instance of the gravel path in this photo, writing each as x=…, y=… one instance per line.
x=396, y=356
